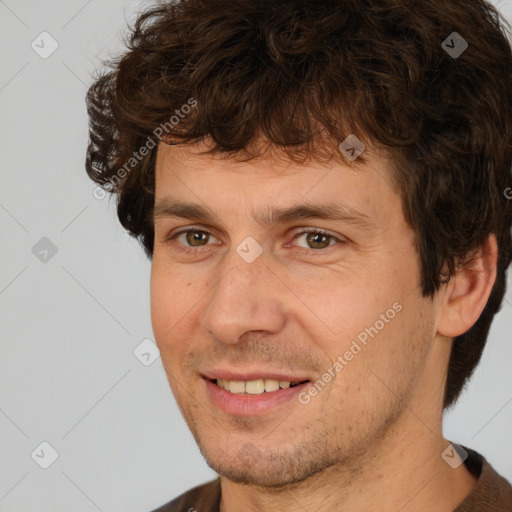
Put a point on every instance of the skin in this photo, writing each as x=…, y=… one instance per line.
x=372, y=438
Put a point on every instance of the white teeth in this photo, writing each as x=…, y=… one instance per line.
x=237, y=387
x=271, y=385
x=253, y=387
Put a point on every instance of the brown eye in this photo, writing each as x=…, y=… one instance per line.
x=190, y=241
x=317, y=240
x=196, y=236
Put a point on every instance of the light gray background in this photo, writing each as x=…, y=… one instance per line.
x=69, y=325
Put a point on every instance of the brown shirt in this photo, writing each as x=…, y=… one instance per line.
x=492, y=493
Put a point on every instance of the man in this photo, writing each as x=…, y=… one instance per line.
x=322, y=189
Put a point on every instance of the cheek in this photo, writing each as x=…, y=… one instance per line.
x=173, y=315
x=366, y=327
x=338, y=309
x=380, y=377
x=394, y=353
x=173, y=299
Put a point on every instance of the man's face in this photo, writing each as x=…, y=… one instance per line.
x=252, y=301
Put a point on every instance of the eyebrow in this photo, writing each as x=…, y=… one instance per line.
x=276, y=215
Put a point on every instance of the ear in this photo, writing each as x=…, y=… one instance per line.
x=467, y=292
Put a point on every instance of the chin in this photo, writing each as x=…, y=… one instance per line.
x=276, y=471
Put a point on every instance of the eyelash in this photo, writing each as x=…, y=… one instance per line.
x=191, y=250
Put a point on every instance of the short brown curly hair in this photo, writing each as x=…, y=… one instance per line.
x=304, y=74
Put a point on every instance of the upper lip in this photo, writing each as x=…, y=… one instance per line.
x=251, y=375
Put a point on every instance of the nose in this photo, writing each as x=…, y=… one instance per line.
x=247, y=297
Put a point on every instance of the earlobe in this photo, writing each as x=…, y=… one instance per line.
x=467, y=292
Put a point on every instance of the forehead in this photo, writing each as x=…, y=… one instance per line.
x=272, y=189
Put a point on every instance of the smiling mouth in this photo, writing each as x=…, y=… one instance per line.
x=255, y=387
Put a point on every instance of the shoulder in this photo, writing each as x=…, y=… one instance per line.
x=203, y=498
x=492, y=492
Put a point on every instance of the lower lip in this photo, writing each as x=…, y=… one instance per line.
x=251, y=405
